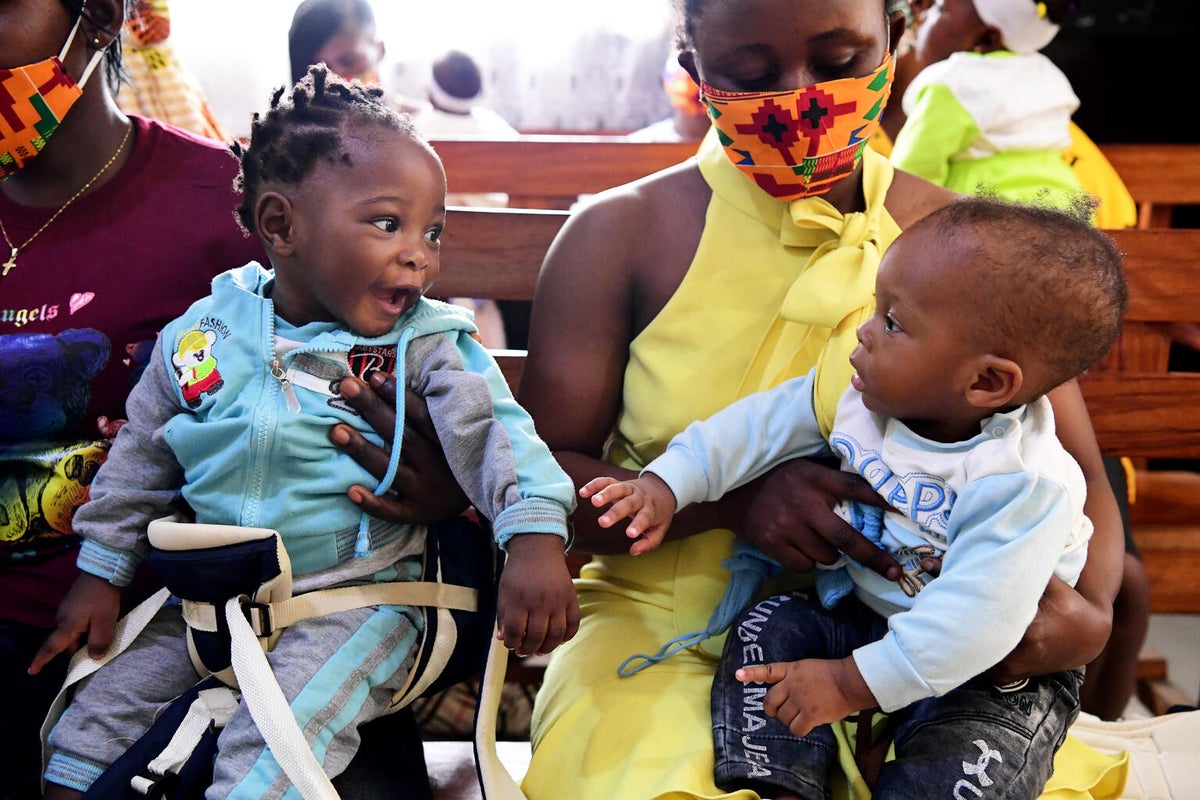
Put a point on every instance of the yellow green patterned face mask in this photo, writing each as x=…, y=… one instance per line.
x=799, y=143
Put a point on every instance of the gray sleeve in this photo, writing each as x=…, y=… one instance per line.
x=139, y=482
x=506, y=471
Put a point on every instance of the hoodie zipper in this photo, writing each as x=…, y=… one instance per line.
x=285, y=383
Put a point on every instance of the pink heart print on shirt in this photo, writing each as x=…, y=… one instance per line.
x=81, y=299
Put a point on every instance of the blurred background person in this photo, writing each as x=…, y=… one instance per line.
x=454, y=90
x=340, y=33
x=689, y=117
x=157, y=82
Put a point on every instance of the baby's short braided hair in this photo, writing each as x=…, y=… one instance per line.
x=305, y=126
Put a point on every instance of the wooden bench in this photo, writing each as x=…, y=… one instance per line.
x=552, y=171
x=1160, y=177
x=1141, y=410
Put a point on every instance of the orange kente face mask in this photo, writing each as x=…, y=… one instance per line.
x=33, y=101
x=799, y=143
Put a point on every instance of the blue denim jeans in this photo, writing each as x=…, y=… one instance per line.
x=977, y=741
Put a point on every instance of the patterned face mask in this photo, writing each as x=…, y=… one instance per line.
x=799, y=143
x=682, y=91
x=33, y=101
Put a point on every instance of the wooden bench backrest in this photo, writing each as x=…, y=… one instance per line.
x=496, y=254
x=552, y=171
x=1138, y=408
x=1142, y=410
x=1159, y=176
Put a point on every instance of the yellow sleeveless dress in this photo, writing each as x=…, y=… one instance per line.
x=773, y=289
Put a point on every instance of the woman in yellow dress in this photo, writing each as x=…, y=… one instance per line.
x=663, y=301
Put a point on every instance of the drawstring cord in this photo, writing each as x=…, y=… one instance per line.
x=749, y=568
x=362, y=545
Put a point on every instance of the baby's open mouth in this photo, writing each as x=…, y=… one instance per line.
x=396, y=298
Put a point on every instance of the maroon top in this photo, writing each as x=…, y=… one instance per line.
x=78, y=318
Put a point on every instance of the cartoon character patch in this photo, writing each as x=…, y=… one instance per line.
x=196, y=366
x=45, y=381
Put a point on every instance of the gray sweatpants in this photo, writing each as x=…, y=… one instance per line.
x=337, y=671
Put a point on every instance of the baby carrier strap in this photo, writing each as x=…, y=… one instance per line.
x=234, y=584
x=208, y=565
x=174, y=757
x=270, y=604
x=82, y=664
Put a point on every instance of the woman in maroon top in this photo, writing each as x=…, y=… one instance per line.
x=110, y=229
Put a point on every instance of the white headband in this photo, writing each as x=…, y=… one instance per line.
x=448, y=102
x=1020, y=22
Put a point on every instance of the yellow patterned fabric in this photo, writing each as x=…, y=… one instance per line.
x=159, y=85
x=597, y=736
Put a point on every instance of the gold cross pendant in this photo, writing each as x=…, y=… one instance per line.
x=12, y=262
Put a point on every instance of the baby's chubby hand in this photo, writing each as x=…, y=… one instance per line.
x=810, y=692
x=536, y=609
x=647, y=500
x=88, y=613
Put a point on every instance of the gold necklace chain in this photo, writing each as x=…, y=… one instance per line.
x=12, y=258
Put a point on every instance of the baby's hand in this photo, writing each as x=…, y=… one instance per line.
x=646, y=499
x=811, y=692
x=536, y=609
x=88, y=614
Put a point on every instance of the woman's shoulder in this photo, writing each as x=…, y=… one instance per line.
x=911, y=197
x=164, y=147
x=644, y=224
x=668, y=197
x=631, y=241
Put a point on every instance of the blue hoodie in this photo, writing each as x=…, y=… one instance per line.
x=234, y=417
